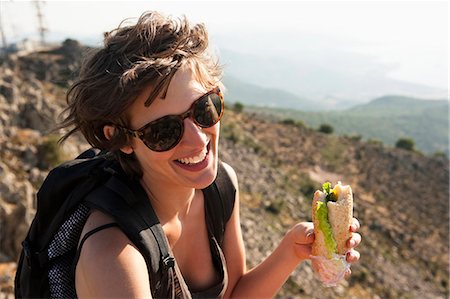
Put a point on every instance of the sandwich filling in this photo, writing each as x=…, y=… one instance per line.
x=322, y=217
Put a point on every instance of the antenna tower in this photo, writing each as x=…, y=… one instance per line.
x=42, y=30
x=2, y=33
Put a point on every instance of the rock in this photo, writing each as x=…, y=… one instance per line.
x=14, y=223
x=7, y=272
x=8, y=91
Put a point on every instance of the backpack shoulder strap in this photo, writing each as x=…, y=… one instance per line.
x=128, y=204
x=219, y=201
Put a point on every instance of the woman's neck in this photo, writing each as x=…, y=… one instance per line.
x=169, y=202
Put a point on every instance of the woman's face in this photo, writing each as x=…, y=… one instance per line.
x=193, y=161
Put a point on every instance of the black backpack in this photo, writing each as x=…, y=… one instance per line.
x=95, y=180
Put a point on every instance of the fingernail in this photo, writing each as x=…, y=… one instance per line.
x=352, y=243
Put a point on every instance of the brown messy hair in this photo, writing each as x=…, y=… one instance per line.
x=132, y=58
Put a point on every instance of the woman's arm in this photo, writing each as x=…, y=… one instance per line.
x=264, y=280
x=110, y=266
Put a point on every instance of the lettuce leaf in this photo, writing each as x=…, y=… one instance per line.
x=325, y=227
x=331, y=194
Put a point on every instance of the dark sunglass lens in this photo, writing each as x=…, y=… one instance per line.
x=163, y=134
x=207, y=111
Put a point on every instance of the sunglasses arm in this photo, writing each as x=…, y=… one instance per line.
x=130, y=132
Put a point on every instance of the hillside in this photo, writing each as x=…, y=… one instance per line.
x=385, y=119
x=404, y=253
x=398, y=105
x=251, y=94
x=330, y=76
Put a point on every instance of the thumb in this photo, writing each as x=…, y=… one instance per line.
x=306, y=239
x=304, y=234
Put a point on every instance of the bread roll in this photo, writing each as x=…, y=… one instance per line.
x=339, y=214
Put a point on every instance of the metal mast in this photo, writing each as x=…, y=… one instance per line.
x=42, y=30
x=2, y=32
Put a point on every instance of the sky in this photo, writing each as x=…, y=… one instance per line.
x=412, y=37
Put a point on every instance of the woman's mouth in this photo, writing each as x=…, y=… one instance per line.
x=195, y=163
x=194, y=160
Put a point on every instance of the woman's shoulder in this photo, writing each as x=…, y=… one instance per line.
x=231, y=173
x=102, y=239
x=109, y=263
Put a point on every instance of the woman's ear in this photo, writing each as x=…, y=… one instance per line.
x=109, y=132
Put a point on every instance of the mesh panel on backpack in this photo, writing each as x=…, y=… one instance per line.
x=61, y=253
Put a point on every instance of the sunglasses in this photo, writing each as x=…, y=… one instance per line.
x=166, y=132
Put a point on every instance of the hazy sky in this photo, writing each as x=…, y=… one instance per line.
x=411, y=36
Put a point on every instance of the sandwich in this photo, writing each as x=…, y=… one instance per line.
x=332, y=214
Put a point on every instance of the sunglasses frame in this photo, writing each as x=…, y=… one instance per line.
x=139, y=133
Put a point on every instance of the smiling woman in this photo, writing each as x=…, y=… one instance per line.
x=151, y=98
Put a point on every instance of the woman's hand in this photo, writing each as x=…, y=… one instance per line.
x=302, y=236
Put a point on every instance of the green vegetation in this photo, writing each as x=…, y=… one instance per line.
x=386, y=119
x=292, y=122
x=50, y=152
x=236, y=134
x=333, y=153
x=275, y=206
x=307, y=186
x=288, y=121
x=405, y=143
x=238, y=107
x=326, y=128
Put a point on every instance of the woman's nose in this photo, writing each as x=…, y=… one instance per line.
x=193, y=134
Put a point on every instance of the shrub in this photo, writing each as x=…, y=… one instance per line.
x=292, y=122
x=326, y=128
x=307, y=186
x=275, y=206
x=300, y=124
x=50, y=153
x=356, y=138
x=375, y=142
x=405, y=143
x=230, y=132
x=288, y=121
x=440, y=154
x=238, y=107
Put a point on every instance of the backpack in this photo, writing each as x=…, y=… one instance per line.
x=96, y=180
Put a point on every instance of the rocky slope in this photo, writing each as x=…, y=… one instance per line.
x=401, y=198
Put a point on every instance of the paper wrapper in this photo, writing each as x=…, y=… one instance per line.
x=330, y=271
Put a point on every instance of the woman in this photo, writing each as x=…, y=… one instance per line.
x=152, y=96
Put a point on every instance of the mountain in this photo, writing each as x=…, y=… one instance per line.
x=252, y=94
x=401, y=197
x=398, y=105
x=331, y=78
x=387, y=119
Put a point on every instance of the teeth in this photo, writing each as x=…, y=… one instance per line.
x=194, y=160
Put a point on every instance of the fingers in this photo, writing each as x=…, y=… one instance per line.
x=354, y=240
x=302, y=237
x=355, y=225
x=348, y=273
x=352, y=256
